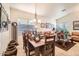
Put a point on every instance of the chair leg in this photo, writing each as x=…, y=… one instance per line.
x=26, y=51
x=23, y=46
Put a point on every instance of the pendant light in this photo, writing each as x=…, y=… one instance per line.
x=35, y=13
x=36, y=20
x=36, y=16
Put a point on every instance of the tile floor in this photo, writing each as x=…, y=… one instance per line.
x=74, y=51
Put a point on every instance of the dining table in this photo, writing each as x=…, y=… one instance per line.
x=37, y=45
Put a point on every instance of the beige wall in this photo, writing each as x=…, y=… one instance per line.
x=68, y=19
x=16, y=14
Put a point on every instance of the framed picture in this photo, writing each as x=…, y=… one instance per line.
x=43, y=25
x=75, y=25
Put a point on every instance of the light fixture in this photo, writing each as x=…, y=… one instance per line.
x=35, y=15
x=36, y=19
x=39, y=21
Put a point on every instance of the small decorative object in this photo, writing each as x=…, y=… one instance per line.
x=4, y=24
x=75, y=25
x=14, y=24
x=37, y=39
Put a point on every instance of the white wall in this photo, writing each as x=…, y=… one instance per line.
x=16, y=14
x=68, y=20
x=52, y=21
x=5, y=35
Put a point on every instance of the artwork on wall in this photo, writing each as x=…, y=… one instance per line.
x=47, y=25
x=75, y=25
x=3, y=18
x=43, y=25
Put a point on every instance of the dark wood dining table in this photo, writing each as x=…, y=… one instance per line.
x=37, y=45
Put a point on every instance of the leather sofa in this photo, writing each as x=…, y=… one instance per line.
x=75, y=36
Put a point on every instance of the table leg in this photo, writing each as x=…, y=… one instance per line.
x=28, y=53
x=37, y=51
x=53, y=52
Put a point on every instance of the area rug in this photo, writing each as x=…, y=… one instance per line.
x=69, y=45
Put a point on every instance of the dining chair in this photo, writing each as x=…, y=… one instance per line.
x=24, y=39
x=29, y=49
x=61, y=39
x=49, y=47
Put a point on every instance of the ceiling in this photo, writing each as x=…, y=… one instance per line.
x=48, y=10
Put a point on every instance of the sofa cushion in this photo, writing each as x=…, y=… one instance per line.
x=74, y=36
x=75, y=33
x=76, y=39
